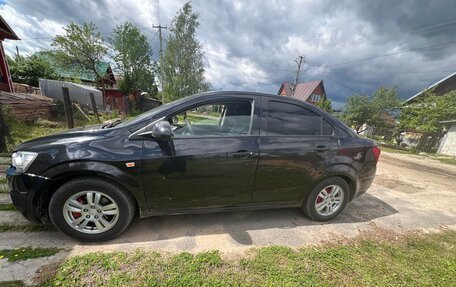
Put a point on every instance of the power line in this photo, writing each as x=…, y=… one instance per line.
x=391, y=54
x=442, y=25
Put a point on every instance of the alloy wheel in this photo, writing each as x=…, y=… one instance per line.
x=329, y=200
x=91, y=212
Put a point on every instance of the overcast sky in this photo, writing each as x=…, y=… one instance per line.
x=354, y=46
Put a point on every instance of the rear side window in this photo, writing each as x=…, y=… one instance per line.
x=289, y=119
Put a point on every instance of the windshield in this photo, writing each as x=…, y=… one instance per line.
x=149, y=114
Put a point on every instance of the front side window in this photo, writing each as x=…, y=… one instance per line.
x=220, y=119
x=289, y=119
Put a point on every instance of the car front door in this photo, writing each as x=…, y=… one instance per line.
x=297, y=145
x=211, y=159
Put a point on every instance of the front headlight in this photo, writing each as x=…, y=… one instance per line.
x=21, y=160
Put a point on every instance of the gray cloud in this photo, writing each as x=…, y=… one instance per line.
x=252, y=45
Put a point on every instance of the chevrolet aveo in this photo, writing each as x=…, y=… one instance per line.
x=210, y=152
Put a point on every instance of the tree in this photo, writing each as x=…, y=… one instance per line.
x=81, y=48
x=28, y=70
x=360, y=110
x=182, y=67
x=325, y=105
x=425, y=113
x=133, y=57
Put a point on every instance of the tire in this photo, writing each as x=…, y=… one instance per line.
x=106, y=215
x=311, y=203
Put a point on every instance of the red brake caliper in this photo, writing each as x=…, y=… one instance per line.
x=319, y=198
x=78, y=214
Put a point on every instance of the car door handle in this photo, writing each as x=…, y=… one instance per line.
x=243, y=154
x=321, y=148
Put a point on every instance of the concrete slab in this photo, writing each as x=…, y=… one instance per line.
x=26, y=270
x=13, y=218
x=5, y=198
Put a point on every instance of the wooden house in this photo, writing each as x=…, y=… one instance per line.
x=311, y=92
x=6, y=83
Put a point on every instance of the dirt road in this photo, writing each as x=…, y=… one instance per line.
x=409, y=193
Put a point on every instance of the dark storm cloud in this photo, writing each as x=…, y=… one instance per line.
x=252, y=45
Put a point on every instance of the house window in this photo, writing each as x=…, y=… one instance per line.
x=315, y=97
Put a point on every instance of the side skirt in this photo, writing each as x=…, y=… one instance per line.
x=218, y=209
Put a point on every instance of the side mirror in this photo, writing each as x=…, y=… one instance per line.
x=162, y=131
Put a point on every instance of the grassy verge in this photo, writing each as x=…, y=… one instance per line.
x=441, y=158
x=446, y=160
x=7, y=207
x=3, y=180
x=21, y=132
x=16, y=283
x=418, y=260
x=27, y=253
x=395, y=150
x=24, y=228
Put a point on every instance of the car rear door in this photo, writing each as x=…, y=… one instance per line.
x=212, y=163
x=296, y=145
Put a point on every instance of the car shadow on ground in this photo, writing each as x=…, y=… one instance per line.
x=237, y=224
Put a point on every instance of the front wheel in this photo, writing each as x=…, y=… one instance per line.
x=327, y=199
x=91, y=209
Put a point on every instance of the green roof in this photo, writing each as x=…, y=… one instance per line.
x=65, y=72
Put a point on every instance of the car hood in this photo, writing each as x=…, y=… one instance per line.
x=73, y=135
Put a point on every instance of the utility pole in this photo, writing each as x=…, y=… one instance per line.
x=302, y=60
x=160, y=27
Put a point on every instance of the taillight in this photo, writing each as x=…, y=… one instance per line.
x=376, y=150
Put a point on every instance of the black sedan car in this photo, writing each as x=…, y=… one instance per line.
x=210, y=152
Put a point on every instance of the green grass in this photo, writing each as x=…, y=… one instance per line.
x=418, y=260
x=3, y=180
x=7, y=207
x=24, y=228
x=446, y=160
x=395, y=150
x=25, y=253
x=21, y=132
x=441, y=158
x=16, y=283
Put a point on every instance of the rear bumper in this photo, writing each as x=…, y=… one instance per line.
x=22, y=188
x=364, y=185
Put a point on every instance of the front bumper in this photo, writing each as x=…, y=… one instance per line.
x=23, y=189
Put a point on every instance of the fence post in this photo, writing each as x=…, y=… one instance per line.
x=4, y=132
x=67, y=107
x=94, y=105
x=114, y=103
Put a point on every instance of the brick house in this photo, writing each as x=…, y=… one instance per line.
x=311, y=92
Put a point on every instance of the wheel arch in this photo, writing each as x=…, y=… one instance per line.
x=59, y=176
x=343, y=171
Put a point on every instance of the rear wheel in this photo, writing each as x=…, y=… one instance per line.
x=91, y=209
x=327, y=199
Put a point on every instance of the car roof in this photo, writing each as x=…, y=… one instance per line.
x=246, y=93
